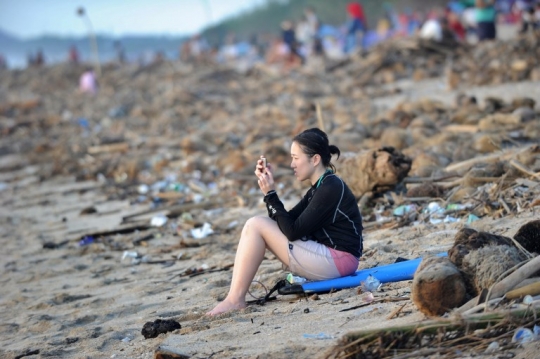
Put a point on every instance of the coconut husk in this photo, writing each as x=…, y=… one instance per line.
x=485, y=266
x=468, y=239
x=437, y=286
x=529, y=236
x=427, y=189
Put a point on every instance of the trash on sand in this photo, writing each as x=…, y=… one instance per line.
x=523, y=335
x=472, y=218
x=447, y=219
x=405, y=209
x=143, y=189
x=86, y=241
x=457, y=207
x=159, y=220
x=371, y=284
x=202, y=232
x=318, y=336
x=130, y=254
x=368, y=297
x=434, y=207
x=293, y=279
x=493, y=347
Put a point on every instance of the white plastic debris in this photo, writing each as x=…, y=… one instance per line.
x=202, y=232
x=528, y=299
x=130, y=254
x=371, y=284
x=143, y=189
x=159, y=220
x=492, y=347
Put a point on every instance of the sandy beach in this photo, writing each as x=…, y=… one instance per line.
x=83, y=268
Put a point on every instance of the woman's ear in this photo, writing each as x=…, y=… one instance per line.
x=316, y=160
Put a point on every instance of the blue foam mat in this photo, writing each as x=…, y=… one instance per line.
x=395, y=272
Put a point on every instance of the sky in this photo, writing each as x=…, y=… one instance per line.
x=31, y=18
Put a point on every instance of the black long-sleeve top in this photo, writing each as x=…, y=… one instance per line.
x=328, y=214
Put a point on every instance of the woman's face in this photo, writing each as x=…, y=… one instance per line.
x=301, y=163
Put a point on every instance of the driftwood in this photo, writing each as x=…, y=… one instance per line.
x=520, y=166
x=446, y=335
x=515, y=278
x=113, y=147
x=505, y=155
x=461, y=128
x=531, y=289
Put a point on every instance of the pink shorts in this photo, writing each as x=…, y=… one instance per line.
x=316, y=261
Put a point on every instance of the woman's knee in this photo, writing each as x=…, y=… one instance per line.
x=254, y=224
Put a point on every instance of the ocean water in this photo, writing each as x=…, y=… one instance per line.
x=57, y=50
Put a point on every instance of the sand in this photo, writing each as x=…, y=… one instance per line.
x=86, y=302
x=91, y=301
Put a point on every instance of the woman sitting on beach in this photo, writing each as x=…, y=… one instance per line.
x=320, y=238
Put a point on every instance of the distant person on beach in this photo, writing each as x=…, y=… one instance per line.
x=195, y=50
x=432, y=29
x=120, y=53
x=537, y=16
x=356, y=27
x=312, y=44
x=73, y=55
x=288, y=34
x=39, y=60
x=319, y=238
x=527, y=20
x=3, y=63
x=455, y=25
x=486, y=16
x=88, y=82
x=278, y=52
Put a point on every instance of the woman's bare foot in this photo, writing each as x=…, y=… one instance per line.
x=226, y=306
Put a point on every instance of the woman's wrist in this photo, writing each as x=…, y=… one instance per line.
x=270, y=192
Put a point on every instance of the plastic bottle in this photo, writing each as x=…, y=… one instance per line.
x=371, y=284
x=523, y=335
x=295, y=279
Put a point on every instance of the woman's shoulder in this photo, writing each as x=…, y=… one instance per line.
x=334, y=180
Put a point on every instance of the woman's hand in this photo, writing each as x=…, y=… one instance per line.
x=265, y=177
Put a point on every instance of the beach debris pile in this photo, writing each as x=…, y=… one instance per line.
x=476, y=262
x=177, y=139
x=489, y=289
x=160, y=162
x=416, y=58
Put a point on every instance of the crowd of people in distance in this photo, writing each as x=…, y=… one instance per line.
x=309, y=38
